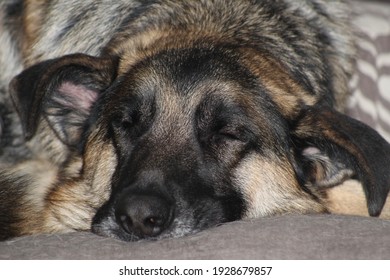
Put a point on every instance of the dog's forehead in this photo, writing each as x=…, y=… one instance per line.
x=184, y=79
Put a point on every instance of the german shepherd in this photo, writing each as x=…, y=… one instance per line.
x=154, y=119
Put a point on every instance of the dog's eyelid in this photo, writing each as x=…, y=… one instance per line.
x=122, y=122
x=234, y=133
x=119, y=124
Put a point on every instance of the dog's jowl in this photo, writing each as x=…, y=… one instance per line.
x=146, y=120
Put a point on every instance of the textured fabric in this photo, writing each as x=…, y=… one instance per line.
x=284, y=237
x=370, y=100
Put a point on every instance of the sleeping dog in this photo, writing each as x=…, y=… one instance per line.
x=153, y=119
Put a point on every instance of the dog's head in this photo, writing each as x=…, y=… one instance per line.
x=196, y=137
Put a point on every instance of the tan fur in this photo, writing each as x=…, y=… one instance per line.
x=349, y=198
x=270, y=187
x=73, y=204
x=55, y=204
x=285, y=92
x=33, y=18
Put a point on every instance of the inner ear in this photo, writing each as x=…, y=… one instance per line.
x=332, y=147
x=62, y=90
x=77, y=96
x=322, y=170
x=67, y=110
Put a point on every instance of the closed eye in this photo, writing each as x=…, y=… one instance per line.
x=123, y=123
x=230, y=134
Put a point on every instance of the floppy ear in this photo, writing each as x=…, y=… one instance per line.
x=334, y=147
x=62, y=90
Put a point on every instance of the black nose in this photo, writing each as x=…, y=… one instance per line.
x=144, y=215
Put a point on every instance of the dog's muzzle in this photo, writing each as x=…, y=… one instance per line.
x=154, y=205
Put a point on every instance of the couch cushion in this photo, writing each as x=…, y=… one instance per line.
x=282, y=237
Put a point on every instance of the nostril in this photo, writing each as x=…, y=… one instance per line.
x=154, y=221
x=144, y=215
x=126, y=223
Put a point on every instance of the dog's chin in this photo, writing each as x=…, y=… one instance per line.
x=109, y=228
